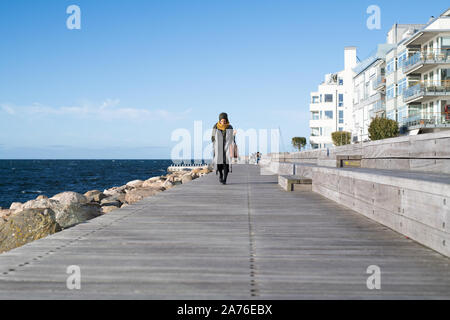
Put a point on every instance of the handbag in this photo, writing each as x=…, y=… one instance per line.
x=234, y=152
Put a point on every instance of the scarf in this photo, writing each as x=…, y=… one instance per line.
x=222, y=126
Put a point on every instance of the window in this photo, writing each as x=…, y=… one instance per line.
x=341, y=100
x=328, y=98
x=315, y=115
x=402, y=114
x=402, y=86
x=341, y=116
x=315, y=99
x=341, y=81
x=315, y=132
x=390, y=92
x=445, y=74
x=390, y=66
x=402, y=58
x=341, y=128
x=391, y=115
x=445, y=41
x=328, y=115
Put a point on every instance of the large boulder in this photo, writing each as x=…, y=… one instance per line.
x=72, y=214
x=69, y=197
x=94, y=196
x=27, y=226
x=42, y=203
x=138, y=194
x=135, y=184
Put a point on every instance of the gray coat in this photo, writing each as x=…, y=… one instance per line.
x=222, y=141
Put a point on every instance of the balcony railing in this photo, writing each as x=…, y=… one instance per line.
x=379, y=82
x=427, y=88
x=431, y=119
x=379, y=106
x=431, y=57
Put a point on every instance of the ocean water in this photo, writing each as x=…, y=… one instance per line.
x=23, y=180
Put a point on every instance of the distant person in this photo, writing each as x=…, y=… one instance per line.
x=258, y=156
x=223, y=139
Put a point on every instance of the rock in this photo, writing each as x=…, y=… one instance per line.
x=71, y=208
x=16, y=207
x=69, y=197
x=167, y=185
x=196, y=170
x=110, y=203
x=124, y=205
x=205, y=171
x=154, y=179
x=135, y=184
x=186, y=178
x=27, y=226
x=138, y=194
x=72, y=214
x=107, y=209
x=119, y=196
x=152, y=184
x=39, y=204
x=41, y=197
x=5, y=213
x=94, y=196
x=114, y=190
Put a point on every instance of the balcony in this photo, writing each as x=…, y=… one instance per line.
x=427, y=120
x=422, y=61
x=379, y=106
x=379, y=83
x=427, y=89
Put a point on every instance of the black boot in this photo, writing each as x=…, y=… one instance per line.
x=221, y=177
x=226, y=170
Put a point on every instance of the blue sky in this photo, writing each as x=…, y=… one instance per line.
x=139, y=69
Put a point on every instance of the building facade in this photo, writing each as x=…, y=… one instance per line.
x=331, y=105
x=406, y=79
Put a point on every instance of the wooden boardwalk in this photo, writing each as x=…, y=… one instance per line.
x=245, y=240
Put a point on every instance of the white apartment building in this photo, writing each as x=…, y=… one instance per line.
x=332, y=104
x=413, y=80
x=427, y=71
x=406, y=79
x=369, y=93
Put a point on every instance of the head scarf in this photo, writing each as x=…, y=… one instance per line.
x=220, y=126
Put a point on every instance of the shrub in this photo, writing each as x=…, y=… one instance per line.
x=341, y=138
x=382, y=128
x=299, y=142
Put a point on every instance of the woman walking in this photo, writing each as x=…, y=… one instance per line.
x=223, y=139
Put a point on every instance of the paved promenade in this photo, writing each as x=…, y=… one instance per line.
x=245, y=240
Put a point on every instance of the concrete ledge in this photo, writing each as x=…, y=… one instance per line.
x=297, y=183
